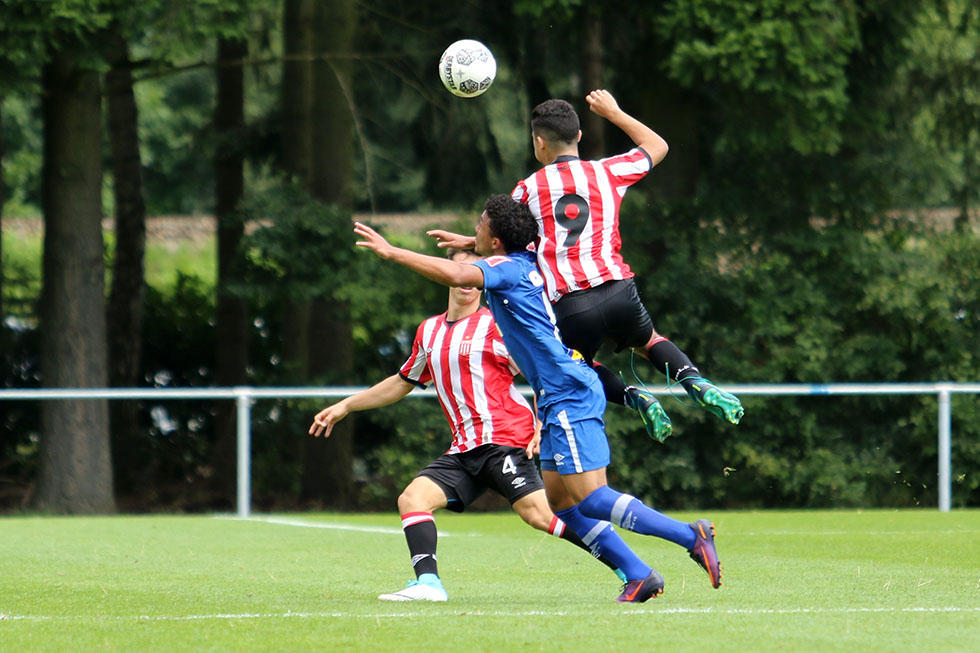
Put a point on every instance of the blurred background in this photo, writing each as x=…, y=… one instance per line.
x=179, y=179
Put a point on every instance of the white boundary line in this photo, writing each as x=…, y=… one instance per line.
x=390, y=530
x=487, y=613
x=282, y=521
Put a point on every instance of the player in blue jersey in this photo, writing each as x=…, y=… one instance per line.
x=574, y=451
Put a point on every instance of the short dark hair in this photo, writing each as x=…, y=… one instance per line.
x=555, y=120
x=511, y=221
x=451, y=252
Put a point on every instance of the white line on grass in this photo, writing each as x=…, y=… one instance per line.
x=388, y=530
x=281, y=521
x=483, y=613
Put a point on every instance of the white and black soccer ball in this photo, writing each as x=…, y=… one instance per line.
x=467, y=68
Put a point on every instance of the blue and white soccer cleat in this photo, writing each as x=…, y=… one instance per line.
x=427, y=588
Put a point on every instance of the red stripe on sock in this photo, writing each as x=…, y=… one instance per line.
x=412, y=518
x=557, y=527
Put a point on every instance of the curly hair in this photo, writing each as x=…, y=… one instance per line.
x=555, y=120
x=511, y=222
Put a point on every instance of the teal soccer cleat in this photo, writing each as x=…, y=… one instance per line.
x=427, y=588
x=721, y=404
x=652, y=413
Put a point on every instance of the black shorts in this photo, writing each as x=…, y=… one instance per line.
x=464, y=477
x=610, y=310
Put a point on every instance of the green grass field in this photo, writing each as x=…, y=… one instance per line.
x=804, y=581
x=167, y=255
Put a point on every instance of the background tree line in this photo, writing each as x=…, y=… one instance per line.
x=782, y=240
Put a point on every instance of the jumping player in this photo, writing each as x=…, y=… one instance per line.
x=570, y=401
x=461, y=353
x=576, y=205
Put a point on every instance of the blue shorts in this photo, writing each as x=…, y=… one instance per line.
x=573, y=435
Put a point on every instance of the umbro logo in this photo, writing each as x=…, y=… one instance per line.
x=559, y=457
x=518, y=482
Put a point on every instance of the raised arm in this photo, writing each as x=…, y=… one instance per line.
x=449, y=239
x=602, y=103
x=440, y=270
x=380, y=394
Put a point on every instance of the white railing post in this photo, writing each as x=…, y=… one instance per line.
x=945, y=425
x=243, y=402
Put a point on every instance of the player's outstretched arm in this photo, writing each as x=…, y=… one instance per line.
x=602, y=103
x=440, y=270
x=449, y=239
x=380, y=394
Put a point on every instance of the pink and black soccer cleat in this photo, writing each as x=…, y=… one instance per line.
x=638, y=591
x=704, y=553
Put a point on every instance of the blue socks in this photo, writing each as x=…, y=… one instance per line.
x=632, y=514
x=604, y=541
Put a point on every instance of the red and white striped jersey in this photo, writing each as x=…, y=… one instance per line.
x=473, y=374
x=576, y=204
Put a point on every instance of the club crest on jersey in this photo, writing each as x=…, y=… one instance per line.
x=464, y=347
x=494, y=261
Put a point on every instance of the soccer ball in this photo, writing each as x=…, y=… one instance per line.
x=467, y=68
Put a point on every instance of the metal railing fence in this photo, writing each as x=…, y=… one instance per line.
x=245, y=395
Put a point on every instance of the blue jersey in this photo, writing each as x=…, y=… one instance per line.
x=516, y=296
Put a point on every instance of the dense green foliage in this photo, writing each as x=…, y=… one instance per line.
x=830, y=305
x=898, y=304
x=783, y=239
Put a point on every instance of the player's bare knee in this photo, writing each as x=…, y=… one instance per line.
x=651, y=341
x=411, y=500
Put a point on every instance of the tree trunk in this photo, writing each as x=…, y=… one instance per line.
x=296, y=150
x=297, y=157
x=125, y=313
x=297, y=89
x=532, y=53
x=231, y=348
x=1, y=210
x=75, y=473
x=593, y=126
x=328, y=463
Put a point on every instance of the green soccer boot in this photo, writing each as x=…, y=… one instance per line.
x=652, y=413
x=721, y=404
